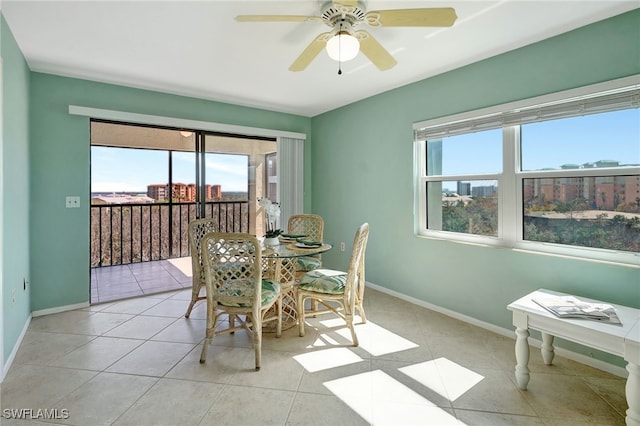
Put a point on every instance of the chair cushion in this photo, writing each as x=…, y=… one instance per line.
x=325, y=281
x=307, y=263
x=236, y=292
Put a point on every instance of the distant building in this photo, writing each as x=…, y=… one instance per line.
x=601, y=192
x=182, y=192
x=483, y=191
x=607, y=163
x=463, y=188
x=214, y=191
x=158, y=191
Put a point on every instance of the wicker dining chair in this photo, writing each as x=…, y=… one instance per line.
x=235, y=287
x=312, y=227
x=197, y=230
x=337, y=292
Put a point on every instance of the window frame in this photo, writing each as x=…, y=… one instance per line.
x=510, y=181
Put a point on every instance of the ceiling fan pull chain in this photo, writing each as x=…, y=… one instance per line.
x=340, y=50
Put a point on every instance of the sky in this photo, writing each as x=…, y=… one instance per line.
x=550, y=144
x=131, y=170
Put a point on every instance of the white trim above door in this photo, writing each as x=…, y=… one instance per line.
x=157, y=120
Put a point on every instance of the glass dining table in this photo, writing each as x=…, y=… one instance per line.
x=279, y=264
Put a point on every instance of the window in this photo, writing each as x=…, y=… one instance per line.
x=558, y=174
x=463, y=190
x=271, y=177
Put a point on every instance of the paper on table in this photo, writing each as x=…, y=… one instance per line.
x=572, y=307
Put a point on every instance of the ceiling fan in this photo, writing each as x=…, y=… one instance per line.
x=344, y=41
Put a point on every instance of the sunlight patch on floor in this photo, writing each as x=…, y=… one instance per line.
x=183, y=264
x=377, y=340
x=322, y=341
x=336, y=322
x=381, y=400
x=327, y=358
x=444, y=377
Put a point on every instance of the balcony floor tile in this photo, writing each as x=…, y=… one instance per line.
x=118, y=282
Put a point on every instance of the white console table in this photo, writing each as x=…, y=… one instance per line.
x=623, y=341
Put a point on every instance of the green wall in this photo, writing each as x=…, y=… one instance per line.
x=363, y=171
x=14, y=191
x=59, y=157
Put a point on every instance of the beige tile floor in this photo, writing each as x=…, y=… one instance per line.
x=135, y=362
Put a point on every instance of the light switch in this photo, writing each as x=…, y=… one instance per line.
x=73, y=202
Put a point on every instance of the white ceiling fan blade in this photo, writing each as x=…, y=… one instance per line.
x=373, y=50
x=277, y=18
x=429, y=17
x=310, y=53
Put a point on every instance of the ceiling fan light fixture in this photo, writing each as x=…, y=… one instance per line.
x=343, y=47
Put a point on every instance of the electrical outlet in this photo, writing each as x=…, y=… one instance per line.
x=342, y=246
x=73, y=202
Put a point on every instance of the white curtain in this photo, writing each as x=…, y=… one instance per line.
x=290, y=178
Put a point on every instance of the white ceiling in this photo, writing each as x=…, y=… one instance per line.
x=198, y=49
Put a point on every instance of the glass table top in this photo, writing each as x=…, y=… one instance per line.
x=293, y=250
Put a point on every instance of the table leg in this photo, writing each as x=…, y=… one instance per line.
x=632, y=389
x=522, y=357
x=547, y=348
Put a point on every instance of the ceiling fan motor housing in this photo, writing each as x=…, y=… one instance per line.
x=341, y=17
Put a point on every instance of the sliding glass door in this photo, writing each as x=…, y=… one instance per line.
x=149, y=183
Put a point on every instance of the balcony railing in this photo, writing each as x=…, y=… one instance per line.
x=132, y=233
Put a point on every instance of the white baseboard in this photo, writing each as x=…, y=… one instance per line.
x=59, y=309
x=574, y=356
x=13, y=353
